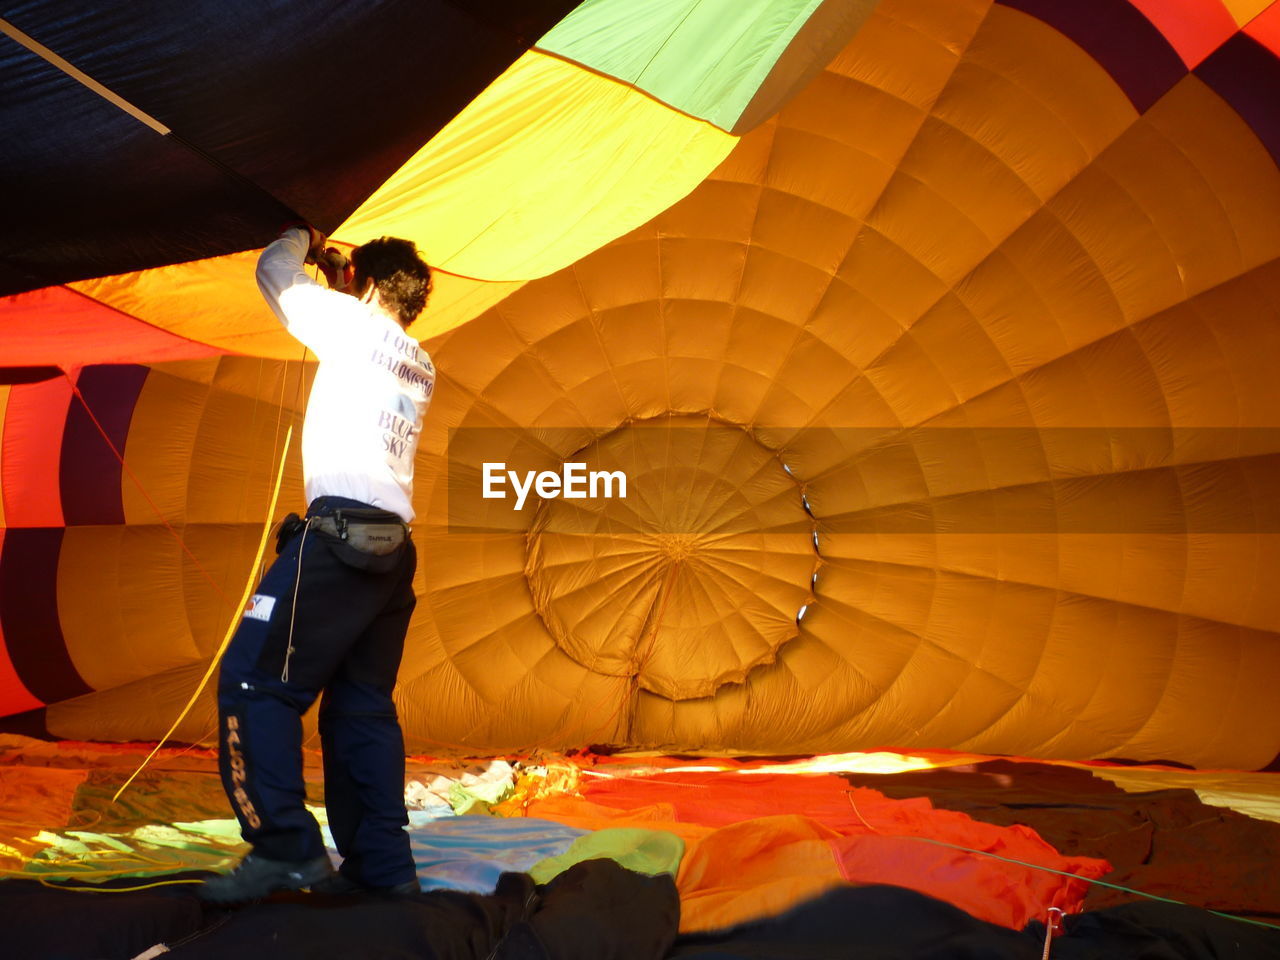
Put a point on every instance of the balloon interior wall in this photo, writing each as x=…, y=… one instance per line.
x=936, y=343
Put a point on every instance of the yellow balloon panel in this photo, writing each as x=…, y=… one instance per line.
x=1245, y=10
x=548, y=163
x=140, y=710
x=122, y=603
x=1040, y=106
x=165, y=455
x=910, y=49
x=214, y=301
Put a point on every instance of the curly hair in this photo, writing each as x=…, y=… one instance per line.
x=399, y=274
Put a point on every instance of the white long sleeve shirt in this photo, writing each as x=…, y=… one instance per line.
x=370, y=393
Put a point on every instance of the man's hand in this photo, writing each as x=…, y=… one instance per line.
x=333, y=263
x=316, y=240
x=316, y=247
x=337, y=269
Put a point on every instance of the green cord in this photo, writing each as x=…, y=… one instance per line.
x=1104, y=883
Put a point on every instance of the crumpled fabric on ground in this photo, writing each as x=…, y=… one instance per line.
x=1165, y=842
x=593, y=910
x=644, y=851
x=470, y=853
x=459, y=789
x=890, y=923
x=755, y=856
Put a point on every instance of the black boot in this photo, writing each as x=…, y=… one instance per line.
x=256, y=877
x=339, y=885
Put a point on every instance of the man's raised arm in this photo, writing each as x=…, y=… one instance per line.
x=309, y=310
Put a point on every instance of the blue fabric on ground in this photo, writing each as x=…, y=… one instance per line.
x=470, y=853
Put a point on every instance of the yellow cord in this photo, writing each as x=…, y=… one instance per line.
x=235, y=617
x=146, y=886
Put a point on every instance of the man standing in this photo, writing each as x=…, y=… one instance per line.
x=331, y=613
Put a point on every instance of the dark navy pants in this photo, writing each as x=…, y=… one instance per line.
x=348, y=628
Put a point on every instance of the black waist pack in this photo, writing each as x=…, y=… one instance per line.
x=364, y=538
x=378, y=532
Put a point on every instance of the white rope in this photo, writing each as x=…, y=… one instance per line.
x=293, y=607
x=40, y=50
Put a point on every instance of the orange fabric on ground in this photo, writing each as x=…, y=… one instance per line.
x=755, y=869
x=762, y=867
x=585, y=815
x=993, y=890
x=33, y=799
x=729, y=874
x=766, y=858
x=718, y=799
